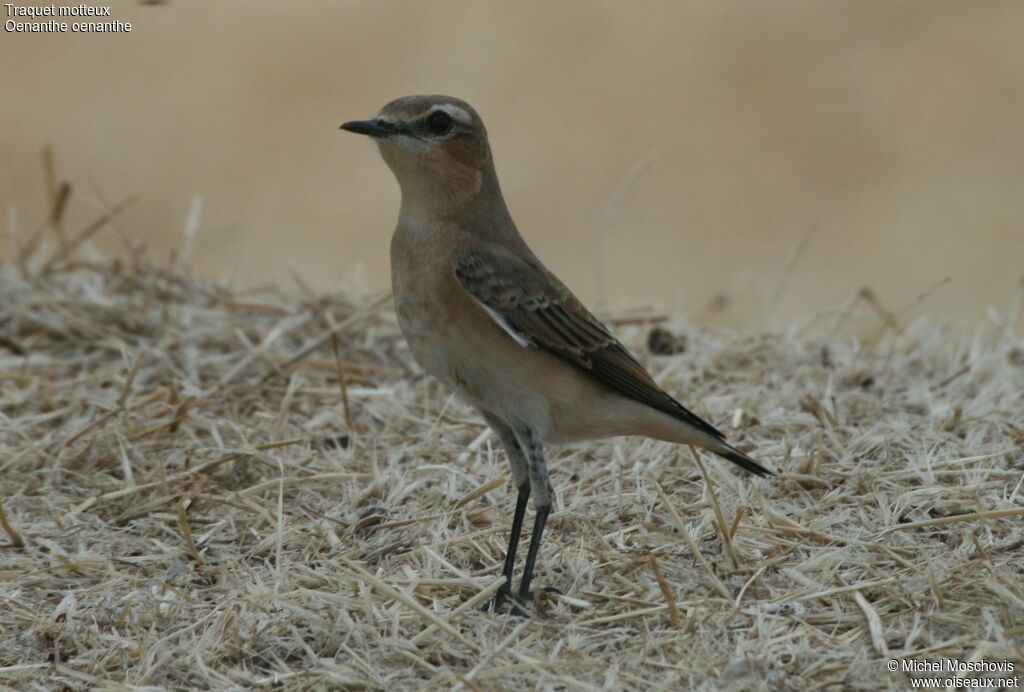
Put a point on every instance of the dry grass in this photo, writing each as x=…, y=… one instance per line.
x=203, y=489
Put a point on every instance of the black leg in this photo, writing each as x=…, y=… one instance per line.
x=521, y=476
x=531, y=554
x=531, y=443
x=513, y=543
x=526, y=455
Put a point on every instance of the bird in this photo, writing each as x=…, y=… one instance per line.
x=483, y=315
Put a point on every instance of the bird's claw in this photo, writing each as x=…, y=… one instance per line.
x=518, y=602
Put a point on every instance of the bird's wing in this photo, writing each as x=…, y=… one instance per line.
x=536, y=309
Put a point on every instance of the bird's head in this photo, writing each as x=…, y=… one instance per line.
x=435, y=145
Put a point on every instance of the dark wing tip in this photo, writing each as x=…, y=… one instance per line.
x=743, y=461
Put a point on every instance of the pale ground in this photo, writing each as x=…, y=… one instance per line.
x=202, y=489
x=189, y=502
x=882, y=138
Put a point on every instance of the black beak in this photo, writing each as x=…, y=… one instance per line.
x=373, y=128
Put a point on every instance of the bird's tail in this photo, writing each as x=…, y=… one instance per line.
x=653, y=423
x=727, y=451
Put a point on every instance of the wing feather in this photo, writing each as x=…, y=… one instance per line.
x=538, y=310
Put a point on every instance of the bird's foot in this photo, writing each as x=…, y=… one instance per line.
x=518, y=604
x=501, y=597
x=505, y=596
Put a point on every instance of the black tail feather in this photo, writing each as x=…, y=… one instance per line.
x=742, y=460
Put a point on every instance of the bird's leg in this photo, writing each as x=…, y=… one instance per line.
x=530, y=441
x=539, y=521
x=513, y=543
x=521, y=476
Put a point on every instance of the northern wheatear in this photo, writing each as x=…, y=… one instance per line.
x=484, y=316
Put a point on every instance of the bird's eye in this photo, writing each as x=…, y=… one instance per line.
x=439, y=122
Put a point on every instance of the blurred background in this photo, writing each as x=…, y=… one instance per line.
x=738, y=162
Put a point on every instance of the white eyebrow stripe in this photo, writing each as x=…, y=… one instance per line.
x=459, y=114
